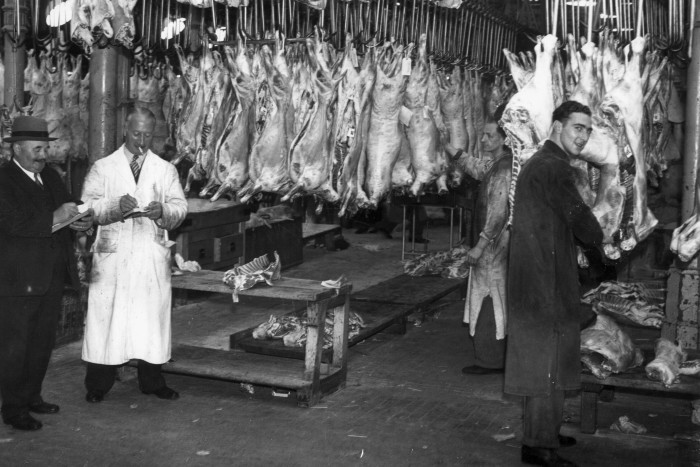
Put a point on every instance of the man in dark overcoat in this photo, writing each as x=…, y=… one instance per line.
x=35, y=265
x=542, y=359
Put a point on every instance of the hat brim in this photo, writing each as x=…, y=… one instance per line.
x=16, y=139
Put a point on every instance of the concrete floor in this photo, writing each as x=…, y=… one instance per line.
x=406, y=402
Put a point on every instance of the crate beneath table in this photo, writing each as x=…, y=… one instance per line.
x=283, y=236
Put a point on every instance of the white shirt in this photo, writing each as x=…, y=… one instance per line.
x=32, y=175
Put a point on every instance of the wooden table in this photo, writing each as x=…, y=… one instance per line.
x=327, y=232
x=310, y=381
x=592, y=387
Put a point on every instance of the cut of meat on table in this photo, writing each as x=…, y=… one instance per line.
x=667, y=362
x=606, y=339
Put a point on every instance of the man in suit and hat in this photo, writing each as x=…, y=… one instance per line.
x=35, y=266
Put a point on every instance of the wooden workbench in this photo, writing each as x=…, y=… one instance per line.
x=312, y=379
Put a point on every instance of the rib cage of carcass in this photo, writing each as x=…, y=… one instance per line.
x=627, y=91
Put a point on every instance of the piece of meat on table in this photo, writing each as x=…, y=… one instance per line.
x=667, y=362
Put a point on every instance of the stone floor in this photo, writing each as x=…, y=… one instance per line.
x=406, y=402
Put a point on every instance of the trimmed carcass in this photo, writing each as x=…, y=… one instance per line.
x=667, y=362
x=605, y=339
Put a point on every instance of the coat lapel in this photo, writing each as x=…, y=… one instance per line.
x=123, y=169
x=30, y=189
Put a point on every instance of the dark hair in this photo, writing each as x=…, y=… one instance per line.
x=140, y=111
x=497, y=115
x=565, y=110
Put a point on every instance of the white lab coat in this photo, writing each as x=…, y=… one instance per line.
x=129, y=301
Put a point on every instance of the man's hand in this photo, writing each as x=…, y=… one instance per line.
x=127, y=203
x=83, y=224
x=65, y=212
x=473, y=255
x=154, y=210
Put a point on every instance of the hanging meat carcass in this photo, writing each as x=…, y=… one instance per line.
x=310, y=161
x=101, y=14
x=625, y=102
x=452, y=106
x=71, y=107
x=349, y=136
x=150, y=93
x=80, y=25
x=54, y=113
x=268, y=162
x=426, y=128
x=605, y=338
x=38, y=82
x=123, y=23
x=214, y=119
x=233, y=146
x=173, y=103
x=384, y=137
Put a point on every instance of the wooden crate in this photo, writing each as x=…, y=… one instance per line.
x=283, y=236
x=212, y=233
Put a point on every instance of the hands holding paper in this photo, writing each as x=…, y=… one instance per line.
x=128, y=203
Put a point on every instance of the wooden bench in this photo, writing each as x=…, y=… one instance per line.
x=321, y=233
x=593, y=387
x=312, y=379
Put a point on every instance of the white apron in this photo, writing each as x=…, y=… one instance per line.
x=129, y=302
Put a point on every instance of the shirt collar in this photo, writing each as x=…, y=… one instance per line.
x=29, y=174
x=130, y=155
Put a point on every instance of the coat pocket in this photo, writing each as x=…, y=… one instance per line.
x=106, y=241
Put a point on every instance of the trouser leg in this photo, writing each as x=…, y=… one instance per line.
x=100, y=378
x=16, y=314
x=489, y=352
x=43, y=337
x=542, y=416
x=150, y=376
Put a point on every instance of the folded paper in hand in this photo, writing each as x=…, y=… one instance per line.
x=133, y=212
x=83, y=211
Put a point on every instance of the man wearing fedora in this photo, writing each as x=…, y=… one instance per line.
x=35, y=266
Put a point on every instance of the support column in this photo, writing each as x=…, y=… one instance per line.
x=692, y=124
x=15, y=57
x=102, y=129
x=123, y=68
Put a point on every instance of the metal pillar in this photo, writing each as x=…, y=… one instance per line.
x=123, y=68
x=15, y=54
x=692, y=125
x=102, y=129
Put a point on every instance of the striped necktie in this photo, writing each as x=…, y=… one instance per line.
x=37, y=180
x=135, y=167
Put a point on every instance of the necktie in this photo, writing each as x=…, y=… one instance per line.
x=37, y=180
x=135, y=167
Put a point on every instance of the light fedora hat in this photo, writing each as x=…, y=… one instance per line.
x=26, y=128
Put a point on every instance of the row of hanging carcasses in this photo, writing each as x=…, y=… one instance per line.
x=301, y=119
x=628, y=90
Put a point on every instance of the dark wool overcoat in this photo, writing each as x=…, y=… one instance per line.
x=543, y=287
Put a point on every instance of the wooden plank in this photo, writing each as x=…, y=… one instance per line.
x=638, y=380
x=284, y=288
x=239, y=367
x=340, y=334
x=589, y=408
x=408, y=290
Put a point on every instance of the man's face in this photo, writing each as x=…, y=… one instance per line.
x=575, y=132
x=491, y=139
x=138, y=134
x=31, y=155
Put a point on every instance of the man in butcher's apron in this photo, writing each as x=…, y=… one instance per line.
x=136, y=197
x=485, y=307
x=542, y=358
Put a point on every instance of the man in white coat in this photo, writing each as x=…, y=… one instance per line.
x=136, y=197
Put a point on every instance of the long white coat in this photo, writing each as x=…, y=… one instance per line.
x=129, y=302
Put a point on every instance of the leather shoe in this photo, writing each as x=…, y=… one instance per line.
x=566, y=441
x=43, y=408
x=164, y=393
x=480, y=370
x=543, y=456
x=94, y=396
x=24, y=422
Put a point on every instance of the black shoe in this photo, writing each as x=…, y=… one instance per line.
x=566, y=441
x=480, y=370
x=543, y=456
x=164, y=393
x=94, y=396
x=24, y=422
x=43, y=408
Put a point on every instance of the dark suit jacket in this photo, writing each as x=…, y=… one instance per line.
x=28, y=249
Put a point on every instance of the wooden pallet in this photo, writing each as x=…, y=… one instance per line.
x=310, y=380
